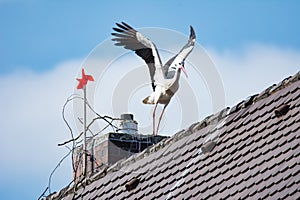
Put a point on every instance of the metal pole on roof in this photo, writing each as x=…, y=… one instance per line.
x=82, y=85
x=84, y=133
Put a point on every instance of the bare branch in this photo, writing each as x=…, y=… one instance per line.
x=43, y=194
x=50, y=177
x=86, y=127
x=109, y=120
x=97, y=118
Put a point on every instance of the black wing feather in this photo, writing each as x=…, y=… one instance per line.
x=126, y=36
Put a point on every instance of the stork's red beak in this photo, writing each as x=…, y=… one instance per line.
x=183, y=69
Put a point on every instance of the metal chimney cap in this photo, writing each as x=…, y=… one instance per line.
x=127, y=116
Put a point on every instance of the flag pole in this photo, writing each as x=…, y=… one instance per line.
x=82, y=85
x=84, y=133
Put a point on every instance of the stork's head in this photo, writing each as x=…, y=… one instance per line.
x=181, y=66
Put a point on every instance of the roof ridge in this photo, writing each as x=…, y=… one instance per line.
x=265, y=93
x=279, y=86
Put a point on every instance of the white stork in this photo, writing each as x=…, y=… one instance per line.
x=164, y=78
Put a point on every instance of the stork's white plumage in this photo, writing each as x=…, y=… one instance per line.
x=164, y=78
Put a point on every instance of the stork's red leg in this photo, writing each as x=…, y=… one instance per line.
x=160, y=117
x=153, y=116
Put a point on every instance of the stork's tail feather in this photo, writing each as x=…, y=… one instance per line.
x=147, y=101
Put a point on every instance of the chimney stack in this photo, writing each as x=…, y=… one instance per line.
x=105, y=150
x=128, y=124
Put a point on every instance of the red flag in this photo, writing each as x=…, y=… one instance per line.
x=83, y=81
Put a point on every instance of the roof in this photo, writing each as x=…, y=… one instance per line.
x=249, y=151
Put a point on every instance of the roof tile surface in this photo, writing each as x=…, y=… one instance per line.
x=256, y=156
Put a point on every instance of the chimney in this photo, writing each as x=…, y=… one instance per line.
x=128, y=125
x=105, y=150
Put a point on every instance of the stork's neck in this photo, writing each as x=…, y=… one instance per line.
x=175, y=69
x=177, y=73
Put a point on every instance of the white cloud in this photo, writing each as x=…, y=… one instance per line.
x=31, y=122
x=253, y=69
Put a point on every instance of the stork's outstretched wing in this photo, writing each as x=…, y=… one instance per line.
x=129, y=38
x=184, y=52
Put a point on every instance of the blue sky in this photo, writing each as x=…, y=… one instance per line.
x=42, y=44
x=38, y=34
